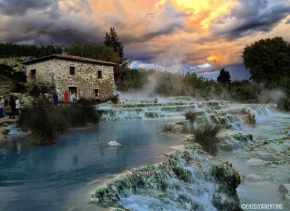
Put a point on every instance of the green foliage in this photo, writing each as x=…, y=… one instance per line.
x=45, y=122
x=36, y=90
x=19, y=76
x=131, y=79
x=205, y=135
x=19, y=88
x=244, y=91
x=81, y=112
x=112, y=40
x=283, y=84
x=268, y=59
x=224, y=76
x=176, y=84
x=10, y=73
x=93, y=51
x=169, y=84
x=284, y=104
x=17, y=50
x=191, y=116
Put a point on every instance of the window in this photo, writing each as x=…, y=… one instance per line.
x=72, y=71
x=97, y=92
x=99, y=74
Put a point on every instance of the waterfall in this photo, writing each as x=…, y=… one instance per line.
x=186, y=181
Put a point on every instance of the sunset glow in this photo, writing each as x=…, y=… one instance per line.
x=166, y=33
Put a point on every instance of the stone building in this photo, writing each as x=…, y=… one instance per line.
x=88, y=78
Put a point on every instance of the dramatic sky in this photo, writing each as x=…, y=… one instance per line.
x=185, y=35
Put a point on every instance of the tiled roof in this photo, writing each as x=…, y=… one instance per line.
x=70, y=58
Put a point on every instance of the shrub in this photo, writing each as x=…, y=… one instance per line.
x=19, y=87
x=19, y=76
x=45, y=122
x=81, y=112
x=284, y=104
x=36, y=90
x=190, y=116
x=205, y=135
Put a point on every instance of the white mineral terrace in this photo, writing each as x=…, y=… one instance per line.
x=255, y=139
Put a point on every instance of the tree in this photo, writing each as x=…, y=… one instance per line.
x=121, y=72
x=224, y=76
x=268, y=59
x=112, y=40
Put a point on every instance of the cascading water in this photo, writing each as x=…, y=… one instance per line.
x=251, y=131
x=186, y=181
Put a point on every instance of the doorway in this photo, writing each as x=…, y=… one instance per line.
x=72, y=89
x=33, y=75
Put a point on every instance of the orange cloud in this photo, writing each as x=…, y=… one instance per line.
x=201, y=12
x=163, y=32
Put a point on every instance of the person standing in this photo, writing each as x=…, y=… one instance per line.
x=40, y=96
x=73, y=97
x=65, y=97
x=46, y=96
x=17, y=106
x=2, y=104
x=13, y=107
x=55, y=99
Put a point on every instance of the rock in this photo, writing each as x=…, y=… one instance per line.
x=4, y=130
x=224, y=173
x=183, y=169
x=177, y=128
x=3, y=138
x=228, y=179
x=255, y=161
x=189, y=138
x=284, y=188
x=114, y=144
x=249, y=117
x=253, y=178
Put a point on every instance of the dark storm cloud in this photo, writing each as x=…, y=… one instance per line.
x=20, y=7
x=45, y=30
x=250, y=16
x=168, y=29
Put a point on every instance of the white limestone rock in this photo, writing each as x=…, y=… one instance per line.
x=177, y=128
x=253, y=178
x=114, y=144
x=189, y=138
x=255, y=161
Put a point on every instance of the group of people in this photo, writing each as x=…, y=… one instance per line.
x=49, y=97
x=73, y=97
x=14, y=105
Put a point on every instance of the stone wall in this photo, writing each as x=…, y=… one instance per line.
x=15, y=62
x=57, y=72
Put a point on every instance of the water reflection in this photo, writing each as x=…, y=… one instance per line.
x=42, y=178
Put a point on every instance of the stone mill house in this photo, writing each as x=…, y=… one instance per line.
x=88, y=78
